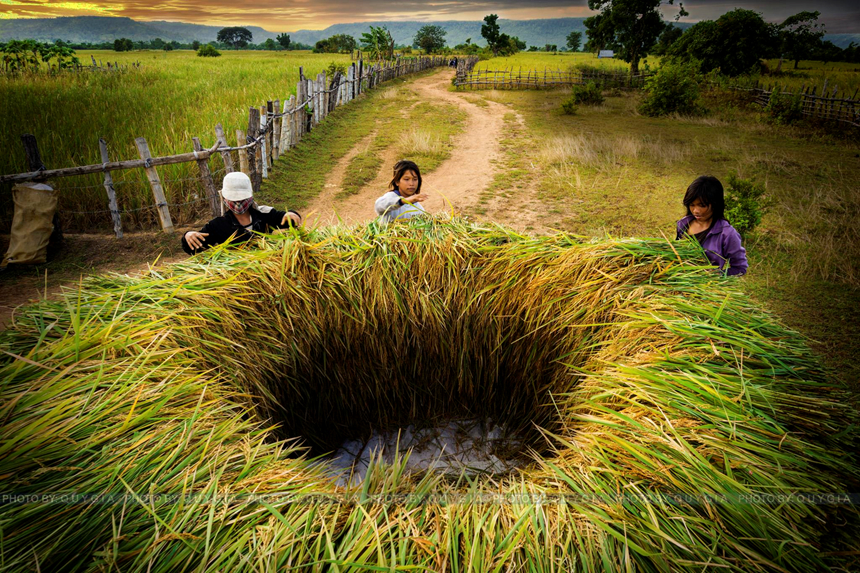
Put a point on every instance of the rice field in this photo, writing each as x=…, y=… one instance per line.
x=150, y=423
x=174, y=97
x=559, y=61
x=843, y=76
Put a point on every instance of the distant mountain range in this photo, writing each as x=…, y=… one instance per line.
x=95, y=29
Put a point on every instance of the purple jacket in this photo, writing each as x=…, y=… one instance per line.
x=722, y=244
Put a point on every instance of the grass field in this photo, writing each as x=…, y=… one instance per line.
x=843, y=76
x=559, y=61
x=610, y=170
x=173, y=97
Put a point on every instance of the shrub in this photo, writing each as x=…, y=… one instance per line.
x=208, y=51
x=784, y=108
x=334, y=68
x=745, y=204
x=569, y=107
x=587, y=94
x=673, y=89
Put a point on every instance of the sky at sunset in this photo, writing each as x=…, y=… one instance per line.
x=290, y=15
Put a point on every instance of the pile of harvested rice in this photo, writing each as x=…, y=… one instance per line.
x=175, y=421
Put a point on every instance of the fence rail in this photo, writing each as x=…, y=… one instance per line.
x=844, y=109
x=510, y=79
x=273, y=129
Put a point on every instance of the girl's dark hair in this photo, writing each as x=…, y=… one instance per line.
x=709, y=191
x=402, y=167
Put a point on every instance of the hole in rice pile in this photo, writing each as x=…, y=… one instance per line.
x=651, y=416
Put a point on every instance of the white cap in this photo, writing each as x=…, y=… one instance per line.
x=237, y=187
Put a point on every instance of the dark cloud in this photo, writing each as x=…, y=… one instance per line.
x=837, y=15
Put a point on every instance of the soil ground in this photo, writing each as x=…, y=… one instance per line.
x=80, y=255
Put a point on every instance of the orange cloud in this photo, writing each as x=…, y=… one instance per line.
x=290, y=15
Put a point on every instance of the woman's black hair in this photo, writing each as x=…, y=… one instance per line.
x=402, y=167
x=709, y=191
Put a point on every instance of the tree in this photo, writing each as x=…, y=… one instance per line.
x=236, y=36
x=378, y=43
x=284, y=40
x=733, y=43
x=208, y=51
x=64, y=55
x=430, y=38
x=827, y=52
x=339, y=43
x=800, y=35
x=490, y=31
x=195, y=45
x=630, y=27
x=667, y=38
x=574, y=40
x=123, y=45
x=157, y=43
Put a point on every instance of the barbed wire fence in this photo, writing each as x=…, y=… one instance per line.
x=273, y=129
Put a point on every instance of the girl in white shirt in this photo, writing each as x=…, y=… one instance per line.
x=404, y=196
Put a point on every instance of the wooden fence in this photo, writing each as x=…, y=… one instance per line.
x=273, y=129
x=844, y=109
x=510, y=79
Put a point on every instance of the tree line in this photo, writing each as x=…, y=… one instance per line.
x=735, y=43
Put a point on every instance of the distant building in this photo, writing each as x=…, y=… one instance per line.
x=606, y=54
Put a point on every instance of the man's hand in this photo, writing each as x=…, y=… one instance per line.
x=195, y=239
x=294, y=217
x=415, y=198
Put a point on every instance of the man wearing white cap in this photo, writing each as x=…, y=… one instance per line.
x=243, y=219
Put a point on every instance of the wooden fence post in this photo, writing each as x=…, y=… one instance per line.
x=206, y=176
x=253, y=152
x=114, y=208
x=31, y=150
x=270, y=134
x=155, y=183
x=222, y=142
x=291, y=142
x=243, y=153
x=285, y=128
x=262, y=155
x=277, y=126
x=324, y=95
x=301, y=107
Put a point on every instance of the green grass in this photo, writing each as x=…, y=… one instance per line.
x=559, y=61
x=610, y=170
x=842, y=76
x=173, y=97
x=421, y=134
x=417, y=130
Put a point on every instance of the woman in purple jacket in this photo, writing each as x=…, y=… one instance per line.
x=705, y=222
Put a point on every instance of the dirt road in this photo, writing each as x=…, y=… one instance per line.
x=455, y=184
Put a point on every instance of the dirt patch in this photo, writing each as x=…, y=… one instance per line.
x=82, y=255
x=455, y=184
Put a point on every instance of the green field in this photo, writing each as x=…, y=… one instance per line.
x=558, y=61
x=610, y=170
x=173, y=97
x=842, y=76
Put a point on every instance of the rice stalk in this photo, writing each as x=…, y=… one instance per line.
x=659, y=400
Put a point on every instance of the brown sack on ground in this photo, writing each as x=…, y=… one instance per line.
x=32, y=224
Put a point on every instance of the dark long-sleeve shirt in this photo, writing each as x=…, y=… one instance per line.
x=220, y=229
